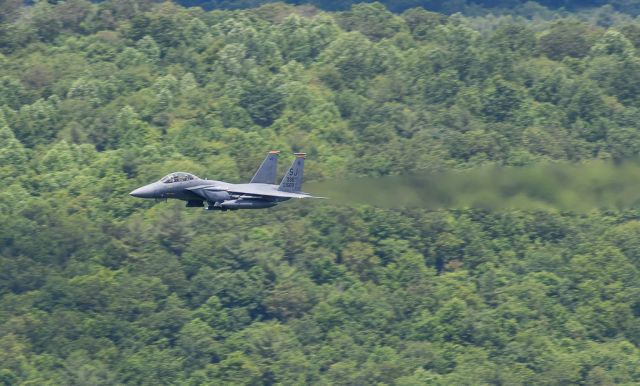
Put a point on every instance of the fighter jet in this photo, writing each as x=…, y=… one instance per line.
x=260, y=192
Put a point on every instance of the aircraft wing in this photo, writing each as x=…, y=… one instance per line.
x=265, y=190
x=209, y=187
x=253, y=190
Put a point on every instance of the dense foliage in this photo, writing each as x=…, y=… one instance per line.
x=99, y=288
x=447, y=6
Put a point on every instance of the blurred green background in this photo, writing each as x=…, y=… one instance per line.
x=482, y=226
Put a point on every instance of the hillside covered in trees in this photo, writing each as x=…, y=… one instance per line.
x=100, y=288
x=446, y=6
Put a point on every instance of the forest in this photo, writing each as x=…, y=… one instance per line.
x=100, y=288
x=446, y=6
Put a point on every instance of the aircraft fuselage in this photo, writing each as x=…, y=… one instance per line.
x=260, y=193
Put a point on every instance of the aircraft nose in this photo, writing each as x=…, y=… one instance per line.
x=143, y=192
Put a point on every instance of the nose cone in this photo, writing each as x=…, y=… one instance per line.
x=144, y=192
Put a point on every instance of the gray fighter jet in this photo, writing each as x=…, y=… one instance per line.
x=260, y=193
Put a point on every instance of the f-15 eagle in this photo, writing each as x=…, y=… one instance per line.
x=260, y=192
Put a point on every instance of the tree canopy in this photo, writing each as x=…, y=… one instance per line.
x=99, y=288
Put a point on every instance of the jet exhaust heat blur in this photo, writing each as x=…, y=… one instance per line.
x=261, y=192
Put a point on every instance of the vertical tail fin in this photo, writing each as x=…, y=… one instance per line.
x=266, y=173
x=292, y=181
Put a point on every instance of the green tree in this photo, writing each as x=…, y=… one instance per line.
x=373, y=20
x=567, y=39
x=13, y=156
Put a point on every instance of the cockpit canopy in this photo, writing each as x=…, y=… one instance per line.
x=177, y=177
